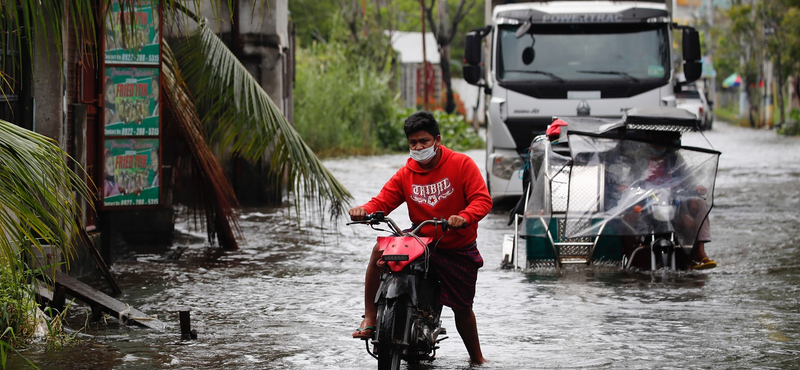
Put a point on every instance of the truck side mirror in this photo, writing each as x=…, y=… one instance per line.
x=472, y=74
x=691, y=45
x=472, y=50
x=692, y=71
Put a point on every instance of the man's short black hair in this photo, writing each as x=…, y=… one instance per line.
x=421, y=121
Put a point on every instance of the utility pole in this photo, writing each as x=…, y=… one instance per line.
x=424, y=60
x=712, y=88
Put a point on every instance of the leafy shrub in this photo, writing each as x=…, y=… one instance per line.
x=456, y=133
x=792, y=126
x=16, y=304
x=339, y=100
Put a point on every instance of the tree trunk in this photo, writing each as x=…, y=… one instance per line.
x=450, y=104
x=794, y=92
x=780, y=88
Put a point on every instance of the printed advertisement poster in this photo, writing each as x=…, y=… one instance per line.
x=131, y=172
x=131, y=101
x=132, y=32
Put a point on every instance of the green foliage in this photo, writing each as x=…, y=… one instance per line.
x=38, y=206
x=338, y=21
x=748, y=34
x=315, y=20
x=343, y=23
x=339, y=100
x=792, y=126
x=16, y=304
x=410, y=20
x=456, y=133
x=391, y=136
x=38, y=196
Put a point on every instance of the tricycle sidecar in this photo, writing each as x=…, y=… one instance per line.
x=620, y=191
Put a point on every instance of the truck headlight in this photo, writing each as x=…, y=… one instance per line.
x=505, y=166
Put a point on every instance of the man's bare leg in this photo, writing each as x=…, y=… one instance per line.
x=372, y=281
x=468, y=329
x=699, y=251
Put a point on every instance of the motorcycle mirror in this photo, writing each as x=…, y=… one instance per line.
x=528, y=55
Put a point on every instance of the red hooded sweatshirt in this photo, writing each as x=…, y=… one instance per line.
x=453, y=187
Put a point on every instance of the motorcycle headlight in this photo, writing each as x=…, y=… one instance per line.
x=505, y=166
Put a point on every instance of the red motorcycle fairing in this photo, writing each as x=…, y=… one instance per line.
x=400, y=246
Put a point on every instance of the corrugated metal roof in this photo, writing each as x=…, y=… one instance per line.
x=409, y=46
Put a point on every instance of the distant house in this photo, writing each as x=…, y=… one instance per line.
x=408, y=46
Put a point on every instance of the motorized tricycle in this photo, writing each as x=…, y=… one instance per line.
x=619, y=191
x=408, y=319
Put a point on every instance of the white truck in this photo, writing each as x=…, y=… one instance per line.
x=565, y=58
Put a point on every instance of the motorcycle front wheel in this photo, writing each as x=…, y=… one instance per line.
x=393, y=333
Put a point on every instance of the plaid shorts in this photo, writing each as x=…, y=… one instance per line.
x=458, y=271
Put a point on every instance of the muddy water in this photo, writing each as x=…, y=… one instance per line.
x=290, y=298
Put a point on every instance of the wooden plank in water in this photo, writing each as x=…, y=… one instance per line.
x=100, y=263
x=108, y=304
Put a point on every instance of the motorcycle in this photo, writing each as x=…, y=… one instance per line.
x=661, y=224
x=409, y=319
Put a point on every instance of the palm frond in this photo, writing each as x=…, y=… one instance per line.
x=241, y=116
x=38, y=195
x=219, y=212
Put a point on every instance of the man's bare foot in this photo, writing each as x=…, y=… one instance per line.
x=479, y=361
x=366, y=330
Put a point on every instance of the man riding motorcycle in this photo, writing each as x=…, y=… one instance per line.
x=435, y=182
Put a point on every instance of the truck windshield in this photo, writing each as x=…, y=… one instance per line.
x=629, y=53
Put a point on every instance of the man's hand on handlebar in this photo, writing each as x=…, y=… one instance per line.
x=357, y=213
x=456, y=222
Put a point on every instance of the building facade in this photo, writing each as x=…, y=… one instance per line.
x=98, y=98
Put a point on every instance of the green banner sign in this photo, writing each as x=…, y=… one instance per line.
x=131, y=101
x=131, y=172
x=132, y=32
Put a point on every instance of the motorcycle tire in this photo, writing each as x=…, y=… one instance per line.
x=393, y=333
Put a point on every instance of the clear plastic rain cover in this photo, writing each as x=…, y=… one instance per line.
x=620, y=187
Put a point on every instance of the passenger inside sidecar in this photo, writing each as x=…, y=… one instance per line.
x=668, y=196
x=607, y=179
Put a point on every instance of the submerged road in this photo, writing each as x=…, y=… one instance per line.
x=291, y=297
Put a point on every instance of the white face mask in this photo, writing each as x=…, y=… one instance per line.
x=424, y=155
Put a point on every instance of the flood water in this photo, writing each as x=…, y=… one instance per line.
x=291, y=297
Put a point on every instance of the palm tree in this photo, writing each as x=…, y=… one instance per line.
x=244, y=118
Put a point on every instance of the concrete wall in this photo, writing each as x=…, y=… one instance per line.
x=49, y=88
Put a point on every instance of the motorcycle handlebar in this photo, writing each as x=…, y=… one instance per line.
x=379, y=217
